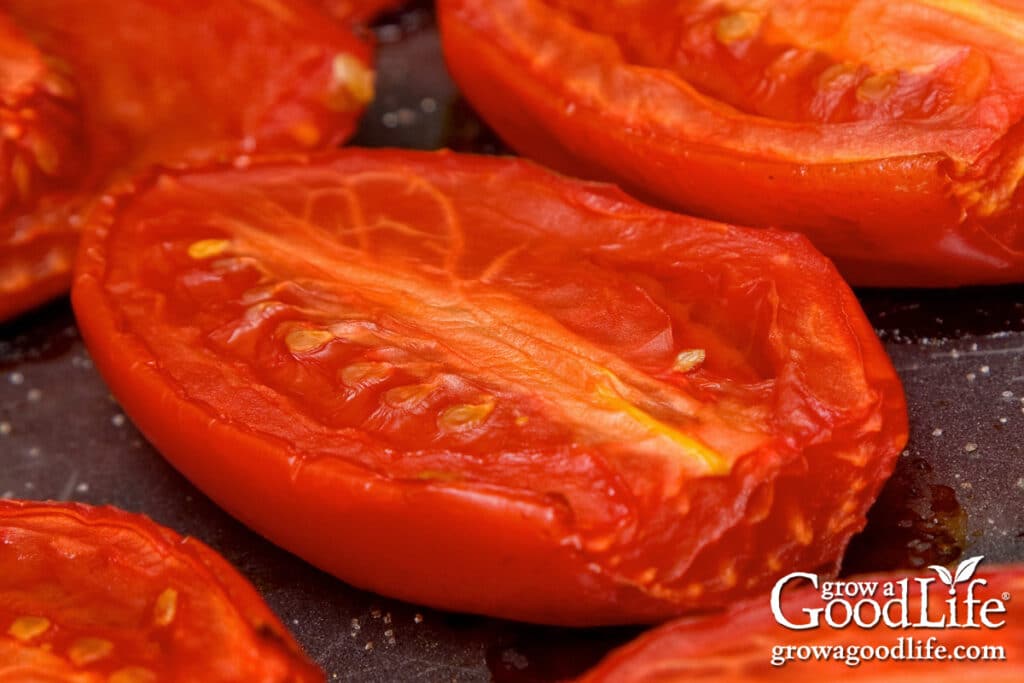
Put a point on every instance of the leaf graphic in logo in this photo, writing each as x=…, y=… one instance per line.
x=967, y=568
x=944, y=575
x=964, y=571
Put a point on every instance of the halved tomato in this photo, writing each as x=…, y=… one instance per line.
x=471, y=383
x=890, y=133
x=91, y=595
x=747, y=643
x=40, y=156
x=93, y=91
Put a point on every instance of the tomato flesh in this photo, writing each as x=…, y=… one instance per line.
x=78, y=115
x=889, y=133
x=447, y=358
x=737, y=645
x=96, y=594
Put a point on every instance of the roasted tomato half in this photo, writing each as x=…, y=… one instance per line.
x=890, y=133
x=747, y=642
x=97, y=595
x=471, y=383
x=92, y=91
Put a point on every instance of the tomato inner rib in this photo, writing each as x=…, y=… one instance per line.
x=473, y=328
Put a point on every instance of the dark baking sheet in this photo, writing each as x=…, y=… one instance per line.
x=959, y=487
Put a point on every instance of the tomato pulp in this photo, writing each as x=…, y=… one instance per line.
x=91, y=595
x=471, y=383
x=890, y=133
x=94, y=91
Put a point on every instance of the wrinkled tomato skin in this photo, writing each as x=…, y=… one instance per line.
x=91, y=594
x=736, y=645
x=186, y=95
x=939, y=208
x=541, y=510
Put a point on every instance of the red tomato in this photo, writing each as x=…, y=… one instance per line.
x=739, y=644
x=470, y=383
x=889, y=132
x=97, y=595
x=111, y=86
x=40, y=155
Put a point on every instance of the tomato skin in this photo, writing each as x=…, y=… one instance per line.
x=162, y=607
x=736, y=645
x=926, y=201
x=519, y=515
x=102, y=117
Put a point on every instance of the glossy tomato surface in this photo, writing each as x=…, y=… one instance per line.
x=98, y=595
x=470, y=383
x=93, y=91
x=737, y=645
x=889, y=132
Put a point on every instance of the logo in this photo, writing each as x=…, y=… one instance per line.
x=908, y=603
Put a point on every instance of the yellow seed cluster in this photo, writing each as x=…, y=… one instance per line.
x=28, y=627
x=350, y=75
x=304, y=341
x=737, y=26
x=466, y=416
x=132, y=674
x=166, y=607
x=88, y=650
x=204, y=249
x=689, y=359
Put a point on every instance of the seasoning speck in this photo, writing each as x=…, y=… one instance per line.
x=936, y=432
x=16, y=378
x=970, y=447
x=34, y=395
x=5, y=428
x=117, y=420
x=419, y=617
